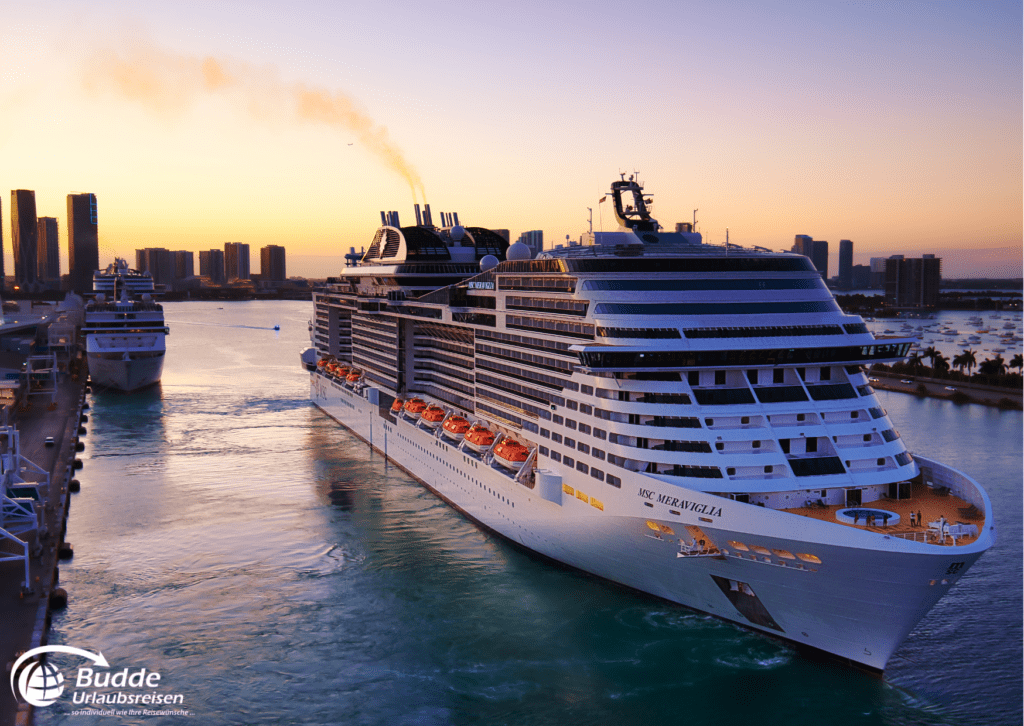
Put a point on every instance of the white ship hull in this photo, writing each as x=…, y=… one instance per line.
x=125, y=375
x=859, y=603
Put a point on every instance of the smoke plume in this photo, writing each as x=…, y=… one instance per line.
x=168, y=83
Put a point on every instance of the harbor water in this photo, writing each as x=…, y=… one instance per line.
x=231, y=537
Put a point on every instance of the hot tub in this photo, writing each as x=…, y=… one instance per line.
x=859, y=516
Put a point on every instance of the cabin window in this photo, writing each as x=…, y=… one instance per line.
x=779, y=375
x=543, y=450
x=570, y=423
x=585, y=409
x=752, y=376
x=558, y=419
x=584, y=428
x=572, y=405
x=568, y=461
x=597, y=453
x=571, y=443
x=730, y=470
x=812, y=444
x=600, y=433
x=755, y=444
x=557, y=438
x=545, y=433
x=693, y=378
x=784, y=445
x=719, y=378
x=769, y=469
x=825, y=375
x=583, y=448
x=587, y=390
x=867, y=437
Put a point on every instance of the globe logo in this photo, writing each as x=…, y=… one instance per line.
x=41, y=684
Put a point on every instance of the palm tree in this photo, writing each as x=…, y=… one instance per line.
x=960, y=361
x=916, y=362
x=930, y=353
x=940, y=363
x=993, y=366
x=1017, y=362
x=970, y=360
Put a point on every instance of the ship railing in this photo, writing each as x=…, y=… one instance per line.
x=912, y=536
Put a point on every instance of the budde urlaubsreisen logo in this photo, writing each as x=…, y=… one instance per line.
x=134, y=692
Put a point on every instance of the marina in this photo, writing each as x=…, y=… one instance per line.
x=365, y=599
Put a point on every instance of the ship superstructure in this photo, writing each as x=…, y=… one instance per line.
x=689, y=420
x=124, y=330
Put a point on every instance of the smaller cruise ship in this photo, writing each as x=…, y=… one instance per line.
x=124, y=330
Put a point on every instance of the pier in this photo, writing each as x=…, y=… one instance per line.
x=39, y=439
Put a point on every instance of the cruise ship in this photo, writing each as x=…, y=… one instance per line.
x=124, y=330
x=689, y=420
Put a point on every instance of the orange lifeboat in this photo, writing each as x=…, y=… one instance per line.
x=397, y=405
x=353, y=378
x=414, y=408
x=455, y=428
x=322, y=363
x=433, y=416
x=511, y=454
x=479, y=438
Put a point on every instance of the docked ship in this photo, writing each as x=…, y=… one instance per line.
x=124, y=330
x=690, y=420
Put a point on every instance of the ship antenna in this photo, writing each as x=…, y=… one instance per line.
x=590, y=221
x=695, y=220
x=726, y=241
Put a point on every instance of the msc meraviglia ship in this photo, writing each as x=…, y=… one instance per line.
x=692, y=421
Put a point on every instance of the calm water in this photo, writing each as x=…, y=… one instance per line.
x=234, y=539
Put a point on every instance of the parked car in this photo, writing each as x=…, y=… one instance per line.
x=951, y=389
x=873, y=380
x=906, y=380
x=49, y=441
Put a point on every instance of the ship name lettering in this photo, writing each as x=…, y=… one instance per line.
x=678, y=503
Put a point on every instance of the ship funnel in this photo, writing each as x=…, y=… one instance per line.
x=383, y=218
x=419, y=219
x=426, y=216
x=455, y=218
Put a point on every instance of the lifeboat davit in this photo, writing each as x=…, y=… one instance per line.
x=414, y=408
x=455, y=428
x=511, y=454
x=479, y=438
x=433, y=416
x=397, y=405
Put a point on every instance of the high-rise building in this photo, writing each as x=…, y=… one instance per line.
x=184, y=264
x=272, y=268
x=534, y=239
x=24, y=235
x=815, y=250
x=877, y=272
x=211, y=265
x=158, y=262
x=83, y=241
x=48, y=260
x=913, y=283
x=236, y=261
x=845, y=264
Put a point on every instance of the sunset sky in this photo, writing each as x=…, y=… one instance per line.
x=895, y=125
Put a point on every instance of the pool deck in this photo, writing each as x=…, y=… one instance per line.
x=931, y=503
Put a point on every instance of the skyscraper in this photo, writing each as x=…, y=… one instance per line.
x=845, y=264
x=211, y=265
x=815, y=250
x=158, y=262
x=534, y=239
x=24, y=235
x=236, y=261
x=913, y=283
x=48, y=260
x=83, y=241
x=272, y=267
x=184, y=264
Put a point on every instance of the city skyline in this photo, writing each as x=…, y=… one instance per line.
x=897, y=127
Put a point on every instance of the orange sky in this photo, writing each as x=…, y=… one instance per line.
x=897, y=127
